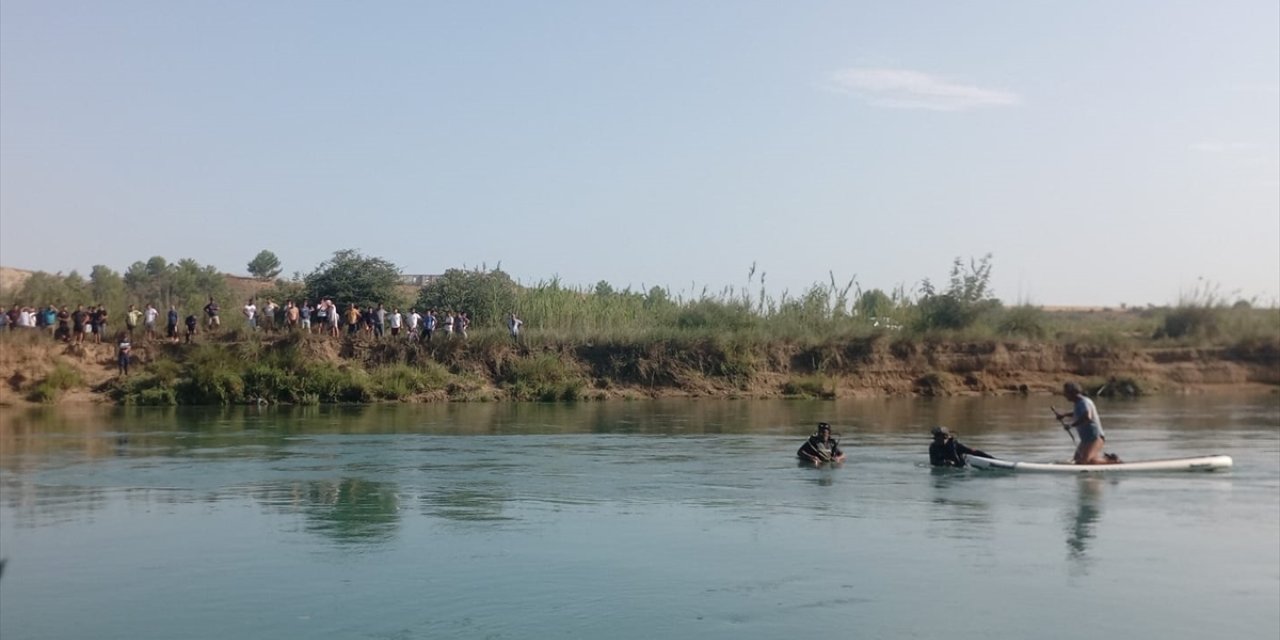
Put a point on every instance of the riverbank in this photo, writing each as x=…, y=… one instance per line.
x=240, y=368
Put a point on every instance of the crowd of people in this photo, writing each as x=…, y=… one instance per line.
x=93, y=324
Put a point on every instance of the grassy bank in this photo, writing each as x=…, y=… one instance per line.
x=1128, y=352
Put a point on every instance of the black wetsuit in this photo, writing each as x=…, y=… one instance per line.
x=950, y=453
x=825, y=451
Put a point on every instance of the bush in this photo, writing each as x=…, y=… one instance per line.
x=543, y=377
x=398, y=382
x=61, y=378
x=1190, y=322
x=212, y=386
x=966, y=298
x=336, y=384
x=145, y=389
x=810, y=387
x=265, y=382
x=1025, y=321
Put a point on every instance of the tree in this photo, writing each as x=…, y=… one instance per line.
x=349, y=277
x=106, y=286
x=964, y=301
x=874, y=304
x=265, y=265
x=487, y=296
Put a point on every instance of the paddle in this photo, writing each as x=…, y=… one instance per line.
x=1065, y=427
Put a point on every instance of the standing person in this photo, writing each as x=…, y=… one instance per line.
x=394, y=320
x=448, y=324
x=334, y=317
x=51, y=318
x=171, y=329
x=411, y=324
x=1088, y=425
x=268, y=315
x=513, y=325
x=149, y=321
x=291, y=315
x=132, y=318
x=211, y=311
x=63, y=332
x=191, y=328
x=79, y=323
x=250, y=312
x=321, y=315
x=123, y=347
x=820, y=448
x=304, y=315
x=379, y=320
x=946, y=451
x=463, y=322
x=428, y=324
x=97, y=322
x=353, y=320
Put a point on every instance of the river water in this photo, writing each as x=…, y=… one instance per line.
x=660, y=519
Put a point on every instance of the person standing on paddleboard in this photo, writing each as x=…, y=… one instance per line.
x=820, y=448
x=946, y=451
x=1085, y=420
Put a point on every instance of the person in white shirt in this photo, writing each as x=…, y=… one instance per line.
x=394, y=321
x=513, y=325
x=251, y=314
x=412, y=321
x=149, y=321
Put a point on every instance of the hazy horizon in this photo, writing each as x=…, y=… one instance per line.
x=1103, y=153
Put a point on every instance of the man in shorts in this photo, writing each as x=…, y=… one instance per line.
x=211, y=311
x=1084, y=419
x=149, y=321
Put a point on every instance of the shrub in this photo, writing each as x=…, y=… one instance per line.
x=543, y=377
x=266, y=382
x=336, y=384
x=1025, y=321
x=61, y=378
x=398, y=382
x=966, y=298
x=810, y=387
x=1190, y=322
x=212, y=385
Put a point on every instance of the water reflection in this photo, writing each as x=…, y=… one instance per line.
x=1080, y=528
x=346, y=510
x=466, y=505
x=954, y=514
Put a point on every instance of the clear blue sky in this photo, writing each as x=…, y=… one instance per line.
x=1104, y=152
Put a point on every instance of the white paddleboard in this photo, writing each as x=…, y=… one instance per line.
x=1203, y=463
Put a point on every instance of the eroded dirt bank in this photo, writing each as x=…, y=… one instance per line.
x=874, y=366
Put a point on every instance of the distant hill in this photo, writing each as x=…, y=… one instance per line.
x=11, y=279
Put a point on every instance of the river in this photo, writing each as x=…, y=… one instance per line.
x=671, y=519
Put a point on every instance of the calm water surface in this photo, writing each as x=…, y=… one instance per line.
x=672, y=519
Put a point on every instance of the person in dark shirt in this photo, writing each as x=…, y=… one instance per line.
x=946, y=451
x=63, y=331
x=191, y=327
x=123, y=349
x=171, y=323
x=820, y=448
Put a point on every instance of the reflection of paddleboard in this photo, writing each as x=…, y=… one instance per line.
x=1204, y=463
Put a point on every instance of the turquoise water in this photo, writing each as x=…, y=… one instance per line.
x=674, y=519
